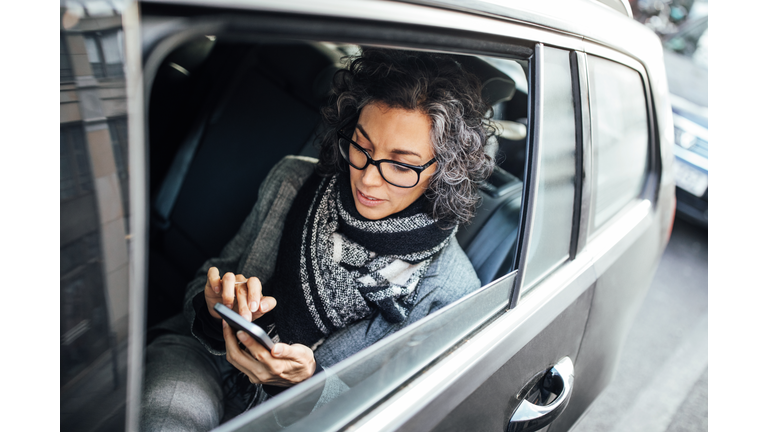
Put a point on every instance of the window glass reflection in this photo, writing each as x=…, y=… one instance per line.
x=94, y=220
x=64, y=63
x=619, y=136
x=75, y=166
x=105, y=53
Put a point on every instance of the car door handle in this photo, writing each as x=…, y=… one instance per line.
x=529, y=416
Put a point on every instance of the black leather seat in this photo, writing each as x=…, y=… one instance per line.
x=490, y=240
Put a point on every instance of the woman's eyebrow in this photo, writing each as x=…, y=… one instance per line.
x=395, y=151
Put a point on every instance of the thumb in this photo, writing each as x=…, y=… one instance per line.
x=281, y=350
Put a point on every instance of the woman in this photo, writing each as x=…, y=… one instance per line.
x=365, y=241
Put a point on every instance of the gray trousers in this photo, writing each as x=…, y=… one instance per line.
x=186, y=388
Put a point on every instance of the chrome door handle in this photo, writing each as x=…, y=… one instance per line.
x=530, y=417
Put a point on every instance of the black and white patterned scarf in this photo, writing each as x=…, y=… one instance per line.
x=335, y=267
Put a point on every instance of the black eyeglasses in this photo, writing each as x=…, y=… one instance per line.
x=395, y=173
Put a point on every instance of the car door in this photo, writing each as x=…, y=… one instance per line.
x=472, y=364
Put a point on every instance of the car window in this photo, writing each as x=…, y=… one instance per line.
x=554, y=198
x=94, y=239
x=619, y=136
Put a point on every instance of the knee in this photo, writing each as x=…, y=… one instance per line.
x=182, y=389
x=180, y=406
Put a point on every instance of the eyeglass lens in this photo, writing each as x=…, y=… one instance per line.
x=392, y=173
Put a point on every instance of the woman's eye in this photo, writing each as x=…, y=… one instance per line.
x=401, y=169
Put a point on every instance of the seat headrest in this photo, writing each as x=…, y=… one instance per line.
x=497, y=86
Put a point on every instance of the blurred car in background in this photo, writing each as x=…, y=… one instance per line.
x=686, y=61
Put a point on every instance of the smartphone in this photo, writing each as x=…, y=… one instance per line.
x=235, y=320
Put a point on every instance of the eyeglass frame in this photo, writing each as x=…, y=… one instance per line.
x=371, y=161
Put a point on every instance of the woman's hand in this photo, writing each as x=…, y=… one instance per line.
x=284, y=366
x=243, y=298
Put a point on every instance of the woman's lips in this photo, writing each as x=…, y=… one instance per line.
x=368, y=201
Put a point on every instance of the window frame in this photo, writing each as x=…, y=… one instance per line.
x=533, y=157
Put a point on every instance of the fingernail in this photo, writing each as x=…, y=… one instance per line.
x=224, y=323
x=241, y=335
x=254, y=306
x=264, y=305
x=277, y=350
x=216, y=289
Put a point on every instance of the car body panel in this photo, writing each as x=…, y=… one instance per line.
x=487, y=408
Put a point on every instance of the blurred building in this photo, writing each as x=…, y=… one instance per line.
x=94, y=216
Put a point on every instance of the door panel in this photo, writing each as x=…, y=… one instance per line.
x=490, y=407
x=619, y=292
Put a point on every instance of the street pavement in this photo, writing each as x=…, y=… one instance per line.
x=662, y=378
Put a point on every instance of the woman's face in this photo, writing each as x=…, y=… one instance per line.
x=396, y=134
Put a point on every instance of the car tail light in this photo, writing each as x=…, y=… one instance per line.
x=672, y=217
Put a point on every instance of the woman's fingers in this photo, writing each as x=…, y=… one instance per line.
x=212, y=291
x=285, y=365
x=228, y=289
x=254, y=294
x=256, y=349
x=237, y=293
x=267, y=304
x=214, y=282
x=298, y=362
x=235, y=356
x=241, y=293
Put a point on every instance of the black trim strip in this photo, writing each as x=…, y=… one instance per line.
x=579, y=153
x=586, y=131
x=530, y=174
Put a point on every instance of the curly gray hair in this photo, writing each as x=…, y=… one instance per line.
x=438, y=86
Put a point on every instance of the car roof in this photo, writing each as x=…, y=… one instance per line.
x=593, y=20
x=601, y=21
x=588, y=20
x=506, y=7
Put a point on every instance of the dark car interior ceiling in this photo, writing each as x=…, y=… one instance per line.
x=222, y=113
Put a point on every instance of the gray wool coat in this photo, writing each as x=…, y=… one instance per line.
x=253, y=252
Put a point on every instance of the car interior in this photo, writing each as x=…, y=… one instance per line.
x=223, y=112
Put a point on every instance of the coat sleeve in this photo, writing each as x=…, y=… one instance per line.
x=288, y=174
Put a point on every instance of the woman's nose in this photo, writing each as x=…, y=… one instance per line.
x=372, y=176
